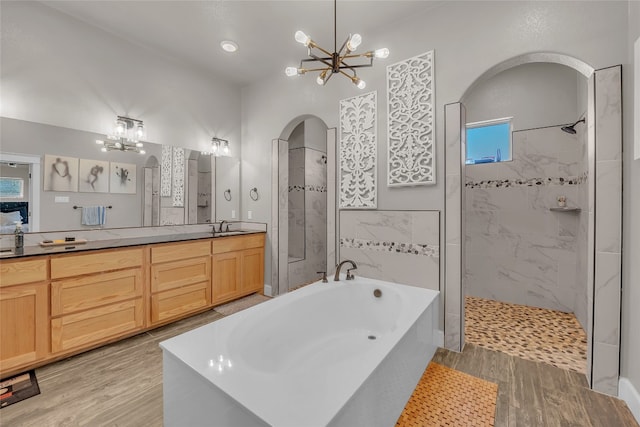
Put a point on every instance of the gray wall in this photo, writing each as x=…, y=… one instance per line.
x=465, y=47
x=535, y=95
x=62, y=71
x=630, y=351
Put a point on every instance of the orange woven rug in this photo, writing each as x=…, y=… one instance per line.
x=446, y=397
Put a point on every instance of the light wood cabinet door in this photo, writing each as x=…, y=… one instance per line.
x=226, y=276
x=252, y=277
x=24, y=331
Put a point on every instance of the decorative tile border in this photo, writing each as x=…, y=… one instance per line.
x=314, y=188
x=531, y=182
x=398, y=247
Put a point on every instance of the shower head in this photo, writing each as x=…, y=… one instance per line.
x=571, y=129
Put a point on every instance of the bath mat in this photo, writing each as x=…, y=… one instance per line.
x=446, y=397
x=532, y=333
x=241, y=304
x=20, y=387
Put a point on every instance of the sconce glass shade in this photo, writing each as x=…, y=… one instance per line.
x=125, y=136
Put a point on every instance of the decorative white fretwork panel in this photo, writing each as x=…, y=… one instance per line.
x=178, y=176
x=358, y=151
x=165, y=172
x=411, y=134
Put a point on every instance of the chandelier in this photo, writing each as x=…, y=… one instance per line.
x=126, y=136
x=328, y=63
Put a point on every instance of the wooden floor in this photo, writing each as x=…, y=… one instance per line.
x=121, y=385
x=537, y=394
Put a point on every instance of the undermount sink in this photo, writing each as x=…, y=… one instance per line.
x=229, y=233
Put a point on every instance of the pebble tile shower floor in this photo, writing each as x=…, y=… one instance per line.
x=532, y=333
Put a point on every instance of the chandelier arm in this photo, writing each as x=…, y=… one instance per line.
x=341, y=71
x=326, y=52
x=323, y=60
x=308, y=70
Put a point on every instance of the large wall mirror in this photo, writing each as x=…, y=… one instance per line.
x=163, y=186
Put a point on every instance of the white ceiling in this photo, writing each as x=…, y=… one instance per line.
x=191, y=31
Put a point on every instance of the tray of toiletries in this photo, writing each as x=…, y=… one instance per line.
x=62, y=242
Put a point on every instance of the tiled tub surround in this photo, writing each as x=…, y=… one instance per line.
x=397, y=246
x=285, y=362
x=307, y=215
x=518, y=250
x=532, y=333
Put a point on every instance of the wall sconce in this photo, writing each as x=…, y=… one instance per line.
x=219, y=148
x=126, y=136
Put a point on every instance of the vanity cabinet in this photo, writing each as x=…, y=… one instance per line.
x=238, y=267
x=96, y=297
x=24, y=313
x=180, y=280
x=53, y=306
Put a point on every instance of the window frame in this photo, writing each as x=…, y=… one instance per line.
x=486, y=123
x=12, y=178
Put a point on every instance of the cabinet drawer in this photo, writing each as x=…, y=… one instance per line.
x=23, y=271
x=178, y=251
x=238, y=243
x=171, y=275
x=86, y=292
x=96, y=262
x=75, y=331
x=177, y=302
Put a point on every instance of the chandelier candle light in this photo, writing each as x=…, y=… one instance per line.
x=335, y=62
x=126, y=136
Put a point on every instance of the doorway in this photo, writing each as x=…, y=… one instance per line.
x=26, y=168
x=604, y=230
x=303, y=203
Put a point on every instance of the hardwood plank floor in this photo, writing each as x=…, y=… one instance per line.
x=121, y=385
x=538, y=394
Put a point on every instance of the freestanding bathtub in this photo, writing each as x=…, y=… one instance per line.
x=328, y=354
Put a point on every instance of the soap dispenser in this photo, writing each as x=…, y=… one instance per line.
x=19, y=235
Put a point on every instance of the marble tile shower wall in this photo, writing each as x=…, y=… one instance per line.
x=517, y=250
x=398, y=246
x=296, y=203
x=311, y=190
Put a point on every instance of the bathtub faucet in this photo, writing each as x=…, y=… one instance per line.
x=336, y=278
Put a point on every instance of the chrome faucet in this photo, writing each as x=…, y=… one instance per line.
x=336, y=278
x=223, y=222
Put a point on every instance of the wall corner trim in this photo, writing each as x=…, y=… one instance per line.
x=628, y=393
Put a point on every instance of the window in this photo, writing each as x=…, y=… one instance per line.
x=489, y=141
x=11, y=188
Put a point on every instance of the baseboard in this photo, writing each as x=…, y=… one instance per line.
x=628, y=393
x=439, y=338
x=267, y=290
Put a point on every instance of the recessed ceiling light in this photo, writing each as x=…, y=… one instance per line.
x=229, y=46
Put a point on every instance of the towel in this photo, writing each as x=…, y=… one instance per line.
x=94, y=215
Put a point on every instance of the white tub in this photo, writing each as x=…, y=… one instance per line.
x=328, y=354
